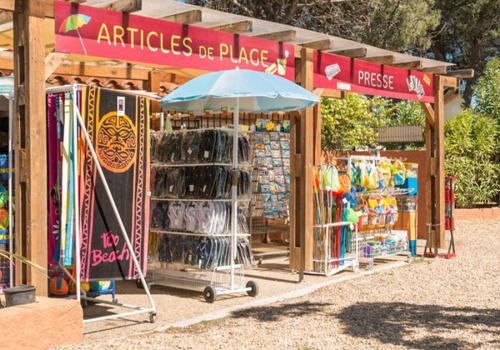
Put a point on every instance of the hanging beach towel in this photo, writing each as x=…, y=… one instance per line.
x=122, y=146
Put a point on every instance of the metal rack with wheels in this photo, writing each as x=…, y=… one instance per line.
x=210, y=259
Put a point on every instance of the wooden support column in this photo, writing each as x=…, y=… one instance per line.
x=30, y=147
x=439, y=161
x=317, y=134
x=434, y=146
x=304, y=165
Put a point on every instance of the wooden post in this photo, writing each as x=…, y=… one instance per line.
x=434, y=146
x=305, y=142
x=30, y=147
x=317, y=134
x=439, y=161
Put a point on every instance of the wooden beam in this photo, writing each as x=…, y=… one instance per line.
x=429, y=113
x=186, y=17
x=435, y=69
x=451, y=82
x=244, y=26
x=53, y=61
x=283, y=35
x=31, y=144
x=414, y=64
x=102, y=71
x=462, y=73
x=322, y=44
x=6, y=17
x=7, y=5
x=382, y=59
x=126, y=5
x=331, y=93
x=356, y=52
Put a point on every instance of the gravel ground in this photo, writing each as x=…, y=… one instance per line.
x=430, y=304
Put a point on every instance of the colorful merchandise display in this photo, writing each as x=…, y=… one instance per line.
x=364, y=191
x=5, y=231
x=271, y=166
x=118, y=127
x=335, y=230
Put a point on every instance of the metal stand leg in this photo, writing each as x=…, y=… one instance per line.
x=137, y=310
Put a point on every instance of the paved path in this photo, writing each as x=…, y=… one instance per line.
x=438, y=304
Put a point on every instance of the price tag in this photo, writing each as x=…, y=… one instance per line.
x=120, y=106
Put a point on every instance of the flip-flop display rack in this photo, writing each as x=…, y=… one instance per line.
x=200, y=244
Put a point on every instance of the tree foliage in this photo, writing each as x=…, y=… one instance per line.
x=470, y=141
x=406, y=113
x=464, y=32
x=392, y=24
x=487, y=91
x=468, y=35
x=351, y=122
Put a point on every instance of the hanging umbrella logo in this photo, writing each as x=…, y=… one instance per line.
x=74, y=22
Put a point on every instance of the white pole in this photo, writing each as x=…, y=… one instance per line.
x=76, y=205
x=115, y=209
x=10, y=165
x=234, y=189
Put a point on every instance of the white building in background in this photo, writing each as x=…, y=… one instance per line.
x=453, y=102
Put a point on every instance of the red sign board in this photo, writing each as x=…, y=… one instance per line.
x=346, y=74
x=104, y=33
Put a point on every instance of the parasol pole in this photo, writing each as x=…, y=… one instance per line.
x=234, y=188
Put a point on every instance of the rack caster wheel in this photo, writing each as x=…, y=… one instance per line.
x=84, y=303
x=209, y=294
x=114, y=300
x=152, y=318
x=355, y=267
x=254, y=289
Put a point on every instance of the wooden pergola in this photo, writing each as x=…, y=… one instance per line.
x=27, y=43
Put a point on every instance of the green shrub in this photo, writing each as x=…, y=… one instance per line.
x=470, y=141
x=352, y=121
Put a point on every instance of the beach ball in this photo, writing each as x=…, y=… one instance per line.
x=58, y=286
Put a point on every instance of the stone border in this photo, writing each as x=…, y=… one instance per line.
x=477, y=214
